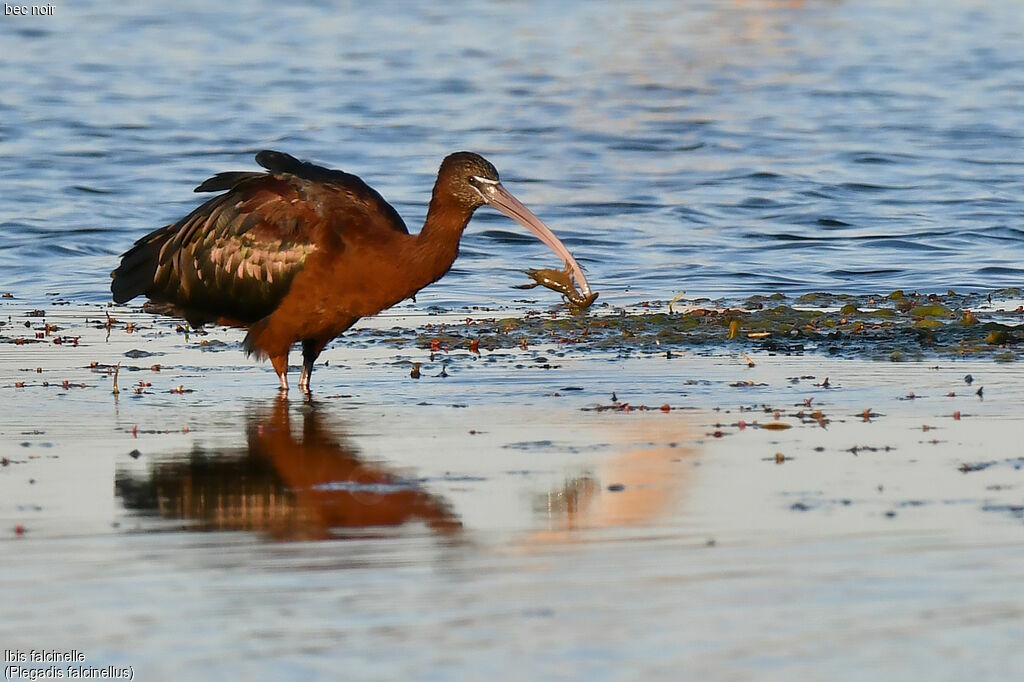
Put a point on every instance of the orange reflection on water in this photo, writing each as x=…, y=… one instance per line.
x=645, y=478
x=305, y=486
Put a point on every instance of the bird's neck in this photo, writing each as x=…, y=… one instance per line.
x=437, y=244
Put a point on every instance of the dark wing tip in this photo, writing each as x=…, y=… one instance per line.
x=278, y=162
x=121, y=293
x=225, y=181
x=126, y=284
x=136, y=273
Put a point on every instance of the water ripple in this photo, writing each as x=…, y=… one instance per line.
x=671, y=145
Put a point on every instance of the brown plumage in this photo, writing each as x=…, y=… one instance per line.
x=301, y=252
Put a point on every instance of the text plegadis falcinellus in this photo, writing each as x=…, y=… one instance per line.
x=301, y=252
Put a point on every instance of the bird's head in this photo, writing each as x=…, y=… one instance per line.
x=468, y=178
x=473, y=181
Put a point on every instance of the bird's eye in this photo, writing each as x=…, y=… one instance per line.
x=482, y=186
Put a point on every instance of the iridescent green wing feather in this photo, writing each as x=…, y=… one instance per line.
x=236, y=255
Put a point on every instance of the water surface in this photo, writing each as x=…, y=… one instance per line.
x=717, y=148
x=533, y=510
x=505, y=514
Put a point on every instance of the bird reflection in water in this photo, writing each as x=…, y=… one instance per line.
x=311, y=487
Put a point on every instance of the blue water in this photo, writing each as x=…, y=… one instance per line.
x=717, y=148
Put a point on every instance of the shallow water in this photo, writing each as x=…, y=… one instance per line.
x=818, y=516
x=571, y=512
x=731, y=148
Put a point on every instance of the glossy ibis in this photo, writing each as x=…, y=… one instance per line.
x=301, y=252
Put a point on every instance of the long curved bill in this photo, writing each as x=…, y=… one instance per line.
x=503, y=200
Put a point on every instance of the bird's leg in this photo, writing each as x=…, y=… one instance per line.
x=310, y=351
x=280, y=363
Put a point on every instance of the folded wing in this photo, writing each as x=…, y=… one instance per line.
x=236, y=255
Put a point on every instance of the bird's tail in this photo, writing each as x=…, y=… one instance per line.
x=252, y=343
x=136, y=274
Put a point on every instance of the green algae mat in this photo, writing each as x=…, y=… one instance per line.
x=897, y=326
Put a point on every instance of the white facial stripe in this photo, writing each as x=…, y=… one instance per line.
x=477, y=190
x=488, y=186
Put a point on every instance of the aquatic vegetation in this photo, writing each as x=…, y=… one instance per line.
x=896, y=327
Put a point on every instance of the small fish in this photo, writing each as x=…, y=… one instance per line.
x=562, y=282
